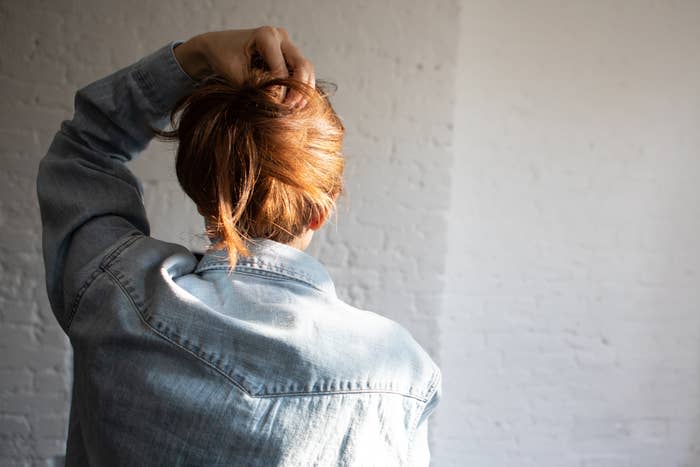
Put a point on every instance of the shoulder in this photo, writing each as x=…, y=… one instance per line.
x=139, y=258
x=379, y=348
x=322, y=346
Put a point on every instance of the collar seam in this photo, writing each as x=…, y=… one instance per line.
x=250, y=268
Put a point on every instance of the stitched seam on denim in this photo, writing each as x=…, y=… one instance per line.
x=83, y=288
x=226, y=375
x=414, y=427
x=266, y=273
x=253, y=271
x=146, y=84
x=432, y=387
x=114, y=254
x=261, y=266
x=162, y=336
x=272, y=277
x=350, y=391
x=79, y=296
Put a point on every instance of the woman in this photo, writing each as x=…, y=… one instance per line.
x=246, y=357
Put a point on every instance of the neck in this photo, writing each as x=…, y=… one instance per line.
x=302, y=241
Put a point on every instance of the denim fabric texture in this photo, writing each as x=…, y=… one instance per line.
x=185, y=362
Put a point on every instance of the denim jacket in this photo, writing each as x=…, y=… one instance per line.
x=184, y=362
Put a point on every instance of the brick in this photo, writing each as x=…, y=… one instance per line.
x=521, y=193
x=18, y=312
x=48, y=427
x=19, y=404
x=33, y=357
x=19, y=380
x=12, y=336
x=53, y=336
x=51, y=380
x=14, y=425
x=50, y=447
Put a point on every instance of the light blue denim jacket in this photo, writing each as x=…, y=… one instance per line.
x=178, y=361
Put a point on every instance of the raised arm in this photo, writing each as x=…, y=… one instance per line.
x=90, y=202
x=88, y=198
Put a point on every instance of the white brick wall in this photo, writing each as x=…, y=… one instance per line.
x=395, y=94
x=570, y=334
x=546, y=252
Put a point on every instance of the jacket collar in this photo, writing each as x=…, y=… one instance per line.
x=271, y=258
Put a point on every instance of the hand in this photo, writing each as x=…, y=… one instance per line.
x=229, y=53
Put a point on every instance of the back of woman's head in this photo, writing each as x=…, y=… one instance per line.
x=255, y=167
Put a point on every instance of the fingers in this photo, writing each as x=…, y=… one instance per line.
x=302, y=70
x=236, y=70
x=226, y=53
x=275, y=47
x=267, y=41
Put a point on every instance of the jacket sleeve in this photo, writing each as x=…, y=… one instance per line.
x=89, y=200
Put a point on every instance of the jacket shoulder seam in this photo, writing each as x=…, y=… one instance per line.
x=119, y=249
x=108, y=258
x=114, y=276
x=432, y=387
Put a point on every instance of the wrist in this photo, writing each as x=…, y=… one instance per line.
x=192, y=59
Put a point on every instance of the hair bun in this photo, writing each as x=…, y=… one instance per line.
x=255, y=167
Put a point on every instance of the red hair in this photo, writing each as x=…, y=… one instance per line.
x=254, y=167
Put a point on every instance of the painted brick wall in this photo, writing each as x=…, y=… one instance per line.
x=387, y=249
x=571, y=331
x=547, y=250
